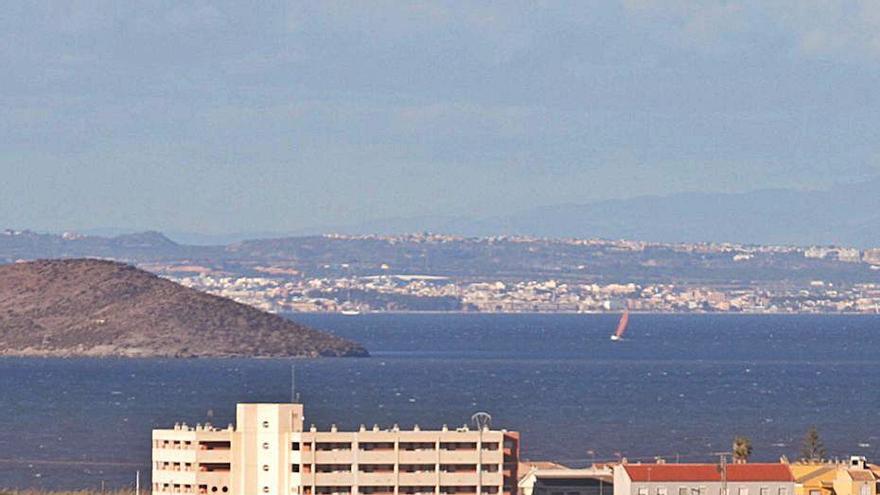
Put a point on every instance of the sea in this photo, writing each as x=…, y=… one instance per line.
x=678, y=386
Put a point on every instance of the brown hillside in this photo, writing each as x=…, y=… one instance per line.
x=104, y=308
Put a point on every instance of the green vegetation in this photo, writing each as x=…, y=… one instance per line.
x=742, y=449
x=813, y=449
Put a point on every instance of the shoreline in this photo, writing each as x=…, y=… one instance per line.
x=572, y=313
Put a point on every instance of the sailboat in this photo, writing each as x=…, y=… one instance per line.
x=621, y=326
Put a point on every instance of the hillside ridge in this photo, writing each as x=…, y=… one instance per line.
x=89, y=307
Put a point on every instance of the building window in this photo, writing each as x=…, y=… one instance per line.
x=295, y=446
x=225, y=489
x=783, y=490
x=643, y=490
x=294, y=468
x=661, y=490
x=765, y=490
x=745, y=491
x=265, y=445
x=265, y=424
x=265, y=489
x=863, y=490
x=265, y=467
x=682, y=490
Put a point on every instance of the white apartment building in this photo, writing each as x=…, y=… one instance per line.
x=268, y=452
x=703, y=479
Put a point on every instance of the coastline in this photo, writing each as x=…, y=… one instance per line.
x=585, y=313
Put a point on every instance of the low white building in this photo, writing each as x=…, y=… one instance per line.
x=561, y=480
x=703, y=479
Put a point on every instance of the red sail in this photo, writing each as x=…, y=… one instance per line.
x=621, y=327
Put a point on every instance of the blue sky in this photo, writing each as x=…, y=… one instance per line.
x=226, y=117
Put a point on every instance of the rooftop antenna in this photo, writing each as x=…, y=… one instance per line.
x=294, y=396
x=293, y=383
x=482, y=420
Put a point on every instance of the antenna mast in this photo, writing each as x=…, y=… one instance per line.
x=722, y=467
x=294, y=398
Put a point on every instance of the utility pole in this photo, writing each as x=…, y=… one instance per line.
x=722, y=467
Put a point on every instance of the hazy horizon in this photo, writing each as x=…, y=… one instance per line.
x=220, y=118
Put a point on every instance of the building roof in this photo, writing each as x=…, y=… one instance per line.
x=597, y=474
x=526, y=465
x=861, y=475
x=708, y=472
x=804, y=473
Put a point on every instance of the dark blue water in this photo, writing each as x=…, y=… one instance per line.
x=679, y=386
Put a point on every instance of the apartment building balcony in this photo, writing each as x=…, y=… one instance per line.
x=213, y=478
x=174, y=477
x=174, y=455
x=458, y=478
x=460, y=456
x=376, y=456
x=418, y=456
x=333, y=490
x=417, y=479
x=416, y=490
x=387, y=478
x=375, y=490
x=493, y=479
x=213, y=456
x=334, y=457
x=338, y=478
x=458, y=490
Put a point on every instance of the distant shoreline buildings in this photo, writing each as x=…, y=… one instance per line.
x=411, y=293
x=502, y=274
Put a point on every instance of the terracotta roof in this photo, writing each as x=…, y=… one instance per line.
x=708, y=472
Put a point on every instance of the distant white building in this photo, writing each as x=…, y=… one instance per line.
x=703, y=479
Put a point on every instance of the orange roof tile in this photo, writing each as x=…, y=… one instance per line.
x=708, y=472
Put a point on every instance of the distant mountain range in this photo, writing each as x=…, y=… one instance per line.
x=99, y=308
x=842, y=215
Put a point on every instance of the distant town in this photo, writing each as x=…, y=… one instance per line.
x=510, y=274
x=404, y=293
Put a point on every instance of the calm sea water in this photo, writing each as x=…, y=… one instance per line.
x=679, y=386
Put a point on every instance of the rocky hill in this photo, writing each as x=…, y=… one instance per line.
x=84, y=307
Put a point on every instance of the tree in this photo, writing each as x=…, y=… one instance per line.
x=742, y=449
x=813, y=449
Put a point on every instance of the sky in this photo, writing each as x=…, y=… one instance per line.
x=222, y=117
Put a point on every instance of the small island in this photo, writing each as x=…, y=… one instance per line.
x=99, y=308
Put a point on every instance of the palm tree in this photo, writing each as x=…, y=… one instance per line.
x=742, y=449
x=812, y=450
